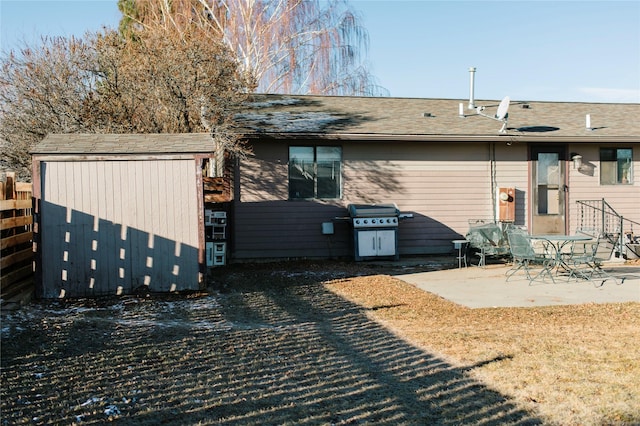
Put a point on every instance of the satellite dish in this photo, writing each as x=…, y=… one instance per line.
x=503, y=109
x=502, y=114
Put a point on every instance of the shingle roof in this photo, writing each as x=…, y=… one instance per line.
x=84, y=143
x=414, y=118
x=368, y=118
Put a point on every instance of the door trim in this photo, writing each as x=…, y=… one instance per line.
x=562, y=151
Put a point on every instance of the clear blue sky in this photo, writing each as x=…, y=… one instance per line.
x=583, y=51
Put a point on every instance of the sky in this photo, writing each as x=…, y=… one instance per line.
x=536, y=50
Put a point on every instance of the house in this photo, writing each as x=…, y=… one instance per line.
x=117, y=212
x=440, y=161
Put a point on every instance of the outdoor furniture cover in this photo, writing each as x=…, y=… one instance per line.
x=488, y=238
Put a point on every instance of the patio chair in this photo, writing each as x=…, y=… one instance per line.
x=586, y=261
x=525, y=255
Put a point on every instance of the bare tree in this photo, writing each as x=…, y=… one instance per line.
x=288, y=46
x=162, y=83
x=42, y=90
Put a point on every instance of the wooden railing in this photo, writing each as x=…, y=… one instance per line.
x=16, y=242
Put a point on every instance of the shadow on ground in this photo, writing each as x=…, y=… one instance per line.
x=275, y=348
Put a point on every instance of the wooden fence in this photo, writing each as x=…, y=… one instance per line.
x=16, y=242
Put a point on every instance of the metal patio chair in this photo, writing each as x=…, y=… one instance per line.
x=586, y=261
x=526, y=255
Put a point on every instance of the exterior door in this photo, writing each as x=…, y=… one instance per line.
x=548, y=190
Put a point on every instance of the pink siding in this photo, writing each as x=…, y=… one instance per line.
x=442, y=185
x=585, y=184
x=512, y=171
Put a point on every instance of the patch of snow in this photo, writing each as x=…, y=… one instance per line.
x=285, y=121
x=274, y=102
x=91, y=401
x=112, y=410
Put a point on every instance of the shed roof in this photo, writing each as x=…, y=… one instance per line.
x=436, y=119
x=134, y=144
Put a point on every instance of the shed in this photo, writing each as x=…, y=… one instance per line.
x=116, y=214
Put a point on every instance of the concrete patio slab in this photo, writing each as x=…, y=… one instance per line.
x=476, y=287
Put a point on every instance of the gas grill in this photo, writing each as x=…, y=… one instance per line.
x=375, y=230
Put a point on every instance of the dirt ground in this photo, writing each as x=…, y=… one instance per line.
x=316, y=343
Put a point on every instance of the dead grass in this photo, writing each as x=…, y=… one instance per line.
x=317, y=343
x=573, y=364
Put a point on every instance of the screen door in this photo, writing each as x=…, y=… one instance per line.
x=548, y=190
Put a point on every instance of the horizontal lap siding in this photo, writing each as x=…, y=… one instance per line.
x=442, y=185
x=267, y=225
x=110, y=226
x=288, y=230
x=585, y=185
x=512, y=171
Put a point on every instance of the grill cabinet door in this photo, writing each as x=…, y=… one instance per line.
x=386, y=242
x=380, y=242
x=367, y=243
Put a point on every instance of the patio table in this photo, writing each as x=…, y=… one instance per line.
x=560, y=242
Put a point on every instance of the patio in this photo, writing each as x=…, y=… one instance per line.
x=487, y=287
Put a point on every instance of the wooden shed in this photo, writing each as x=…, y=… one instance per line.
x=116, y=214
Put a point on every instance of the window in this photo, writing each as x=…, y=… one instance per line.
x=315, y=172
x=616, y=166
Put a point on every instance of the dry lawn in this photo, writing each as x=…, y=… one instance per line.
x=572, y=364
x=317, y=343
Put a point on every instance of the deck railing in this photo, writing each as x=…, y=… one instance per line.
x=598, y=214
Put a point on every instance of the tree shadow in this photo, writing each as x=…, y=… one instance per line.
x=280, y=348
x=83, y=255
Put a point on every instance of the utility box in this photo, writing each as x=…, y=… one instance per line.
x=507, y=204
x=216, y=233
x=216, y=253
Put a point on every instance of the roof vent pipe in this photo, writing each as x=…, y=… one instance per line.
x=472, y=74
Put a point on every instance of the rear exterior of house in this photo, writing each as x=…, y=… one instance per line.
x=116, y=214
x=442, y=169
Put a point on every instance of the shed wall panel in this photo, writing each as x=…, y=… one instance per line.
x=109, y=227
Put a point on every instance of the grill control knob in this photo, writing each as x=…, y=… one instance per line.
x=373, y=221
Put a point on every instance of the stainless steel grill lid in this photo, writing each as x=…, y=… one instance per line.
x=373, y=210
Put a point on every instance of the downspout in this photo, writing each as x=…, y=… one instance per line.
x=492, y=162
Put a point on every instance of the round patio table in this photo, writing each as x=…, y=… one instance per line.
x=560, y=241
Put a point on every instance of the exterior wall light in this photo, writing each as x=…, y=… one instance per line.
x=577, y=160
